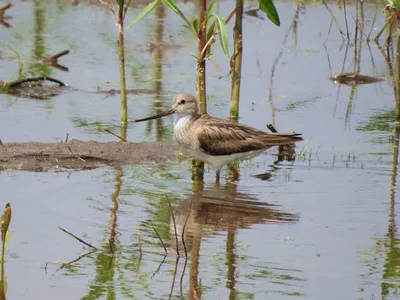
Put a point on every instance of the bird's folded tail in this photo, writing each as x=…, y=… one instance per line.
x=284, y=138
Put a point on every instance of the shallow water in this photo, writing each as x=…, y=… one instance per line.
x=320, y=228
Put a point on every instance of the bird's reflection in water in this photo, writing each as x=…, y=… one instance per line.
x=220, y=208
x=209, y=211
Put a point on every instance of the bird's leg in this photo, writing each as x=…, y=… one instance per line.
x=235, y=172
x=217, y=175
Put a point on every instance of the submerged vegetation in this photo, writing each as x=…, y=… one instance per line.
x=384, y=121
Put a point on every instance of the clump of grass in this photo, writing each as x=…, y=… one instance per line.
x=305, y=152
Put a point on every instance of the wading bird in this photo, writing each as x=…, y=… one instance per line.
x=216, y=141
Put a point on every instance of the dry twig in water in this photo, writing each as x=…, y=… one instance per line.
x=173, y=279
x=183, y=274
x=74, y=260
x=53, y=58
x=162, y=243
x=80, y=158
x=114, y=134
x=184, y=226
x=4, y=8
x=333, y=19
x=176, y=234
x=159, y=266
x=345, y=20
x=77, y=238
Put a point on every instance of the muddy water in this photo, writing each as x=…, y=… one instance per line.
x=320, y=228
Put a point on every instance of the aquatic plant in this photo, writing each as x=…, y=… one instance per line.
x=5, y=220
x=205, y=27
x=236, y=59
x=392, y=17
x=120, y=14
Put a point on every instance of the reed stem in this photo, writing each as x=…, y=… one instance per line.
x=236, y=62
x=201, y=63
x=121, y=57
x=198, y=166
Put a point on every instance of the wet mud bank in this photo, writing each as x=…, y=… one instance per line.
x=82, y=155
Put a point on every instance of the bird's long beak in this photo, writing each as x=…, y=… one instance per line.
x=163, y=114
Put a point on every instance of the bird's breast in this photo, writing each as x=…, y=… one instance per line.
x=182, y=127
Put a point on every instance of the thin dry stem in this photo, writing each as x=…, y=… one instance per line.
x=173, y=278
x=184, y=226
x=116, y=135
x=345, y=20
x=126, y=8
x=332, y=19
x=73, y=261
x=181, y=280
x=80, y=158
x=111, y=7
x=377, y=36
x=176, y=234
x=162, y=243
x=373, y=23
x=159, y=266
x=77, y=238
x=215, y=32
x=4, y=8
x=56, y=56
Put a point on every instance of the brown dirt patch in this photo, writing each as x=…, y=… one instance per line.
x=82, y=155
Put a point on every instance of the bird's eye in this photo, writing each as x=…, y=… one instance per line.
x=182, y=101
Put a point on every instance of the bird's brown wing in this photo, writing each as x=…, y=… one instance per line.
x=224, y=138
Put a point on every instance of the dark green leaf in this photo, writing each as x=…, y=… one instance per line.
x=120, y=2
x=210, y=31
x=149, y=7
x=222, y=34
x=195, y=25
x=268, y=7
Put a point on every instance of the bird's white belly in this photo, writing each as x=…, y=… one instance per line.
x=217, y=162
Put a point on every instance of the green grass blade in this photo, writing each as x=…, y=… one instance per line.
x=268, y=7
x=210, y=7
x=149, y=7
x=171, y=4
x=222, y=34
